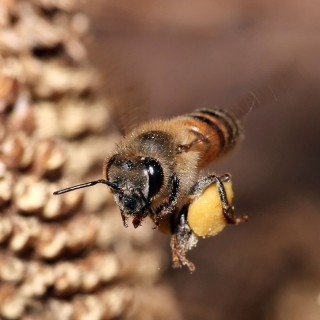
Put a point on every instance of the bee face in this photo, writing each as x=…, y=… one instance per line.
x=139, y=180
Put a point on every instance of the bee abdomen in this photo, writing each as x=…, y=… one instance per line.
x=217, y=130
x=226, y=123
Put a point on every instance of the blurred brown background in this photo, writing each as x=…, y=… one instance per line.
x=181, y=56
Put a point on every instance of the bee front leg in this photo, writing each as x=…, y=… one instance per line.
x=124, y=219
x=167, y=207
x=228, y=209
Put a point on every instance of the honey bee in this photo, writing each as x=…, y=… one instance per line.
x=154, y=172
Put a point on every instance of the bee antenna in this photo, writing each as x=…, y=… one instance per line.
x=89, y=184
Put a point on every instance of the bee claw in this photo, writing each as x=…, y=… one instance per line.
x=232, y=218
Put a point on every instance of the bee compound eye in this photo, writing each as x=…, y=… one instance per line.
x=155, y=175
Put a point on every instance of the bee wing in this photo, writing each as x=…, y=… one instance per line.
x=125, y=94
x=231, y=118
x=266, y=94
x=128, y=109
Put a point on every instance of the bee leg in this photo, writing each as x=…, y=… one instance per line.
x=186, y=147
x=179, y=255
x=124, y=220
x=167, y=207
x=225, y=177
x=182, y=240
x=228, y=210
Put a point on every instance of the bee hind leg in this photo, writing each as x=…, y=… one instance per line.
x=228, y=209
x=182, y=240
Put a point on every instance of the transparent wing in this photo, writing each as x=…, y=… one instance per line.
x=126, y=96
x=266, y=93
x=231, y=118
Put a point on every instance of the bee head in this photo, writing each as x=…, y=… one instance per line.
x=133, y=182
x=139, y=180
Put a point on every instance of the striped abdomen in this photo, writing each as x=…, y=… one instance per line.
x=212, y=133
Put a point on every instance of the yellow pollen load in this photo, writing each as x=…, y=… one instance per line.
x=205, y=215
